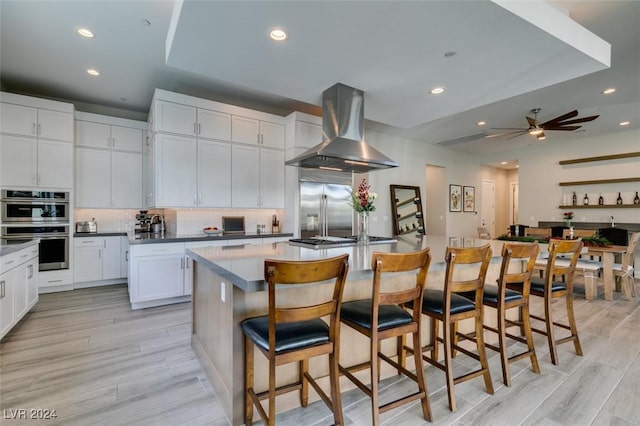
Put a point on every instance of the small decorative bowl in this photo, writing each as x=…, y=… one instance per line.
x=213, y=231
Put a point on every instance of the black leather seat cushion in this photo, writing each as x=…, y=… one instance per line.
x=490, y=294
x=289, y=336
x=537, y=285
x=359, y=313
x=433, y=301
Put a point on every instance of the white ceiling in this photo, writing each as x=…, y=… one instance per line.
x=503, y=67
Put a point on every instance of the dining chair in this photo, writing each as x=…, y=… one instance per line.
x=578, y=233
x=446, y=306
x=483, y=233
x=625, y=270
x=557, y=282
x=382, y=317
x=537, y=232
x=296, y=333
x=518, y=261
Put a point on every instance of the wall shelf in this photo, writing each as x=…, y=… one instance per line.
x=600, y=158
x=598, y=181
x=606, y=206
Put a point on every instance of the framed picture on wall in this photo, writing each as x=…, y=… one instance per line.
x=469, y=199
x=455, y=198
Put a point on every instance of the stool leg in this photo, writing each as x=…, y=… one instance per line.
x=402, y=359
x=549, y=325
x=336, y=399
x=526, y=321
x=422, y=381
x=434, y=339
x=248, y=380
x=482, y=352
x=375, y=377
x=502, y=344
x=448, y=367
x=572, y=324
x=272, y=393
x=304, y=389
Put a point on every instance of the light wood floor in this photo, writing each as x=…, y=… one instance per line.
x=86, y=355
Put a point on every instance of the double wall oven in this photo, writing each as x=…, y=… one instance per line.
x=42, y=215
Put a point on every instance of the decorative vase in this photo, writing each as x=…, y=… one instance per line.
x=363, y=227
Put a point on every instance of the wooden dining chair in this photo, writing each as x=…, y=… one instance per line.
x=578, y=233
x=557, y=282
x=383, y=317
x=518, y=261
x=447, y=307
x=625, y=270
x=296, y=333
x=537, y=232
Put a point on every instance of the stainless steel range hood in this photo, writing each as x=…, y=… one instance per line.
x=343, y=125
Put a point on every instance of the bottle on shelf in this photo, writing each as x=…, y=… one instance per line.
x=636, y=199
x=574, y=199
x=600, y=200
x=619, y=200
x=585, y=200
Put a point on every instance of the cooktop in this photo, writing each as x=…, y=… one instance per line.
x=327, y=242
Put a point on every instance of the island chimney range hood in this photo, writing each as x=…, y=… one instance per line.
x=343, y=124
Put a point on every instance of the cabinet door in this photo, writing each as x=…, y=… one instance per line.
x=55, y=125
x=18, y=119
x=214, y=125
x=148, y=172
x=175, y=118
x=32, y=282
x=93, y=172
x=271, y=179
x=272, y=134
x=92, y=135
x=87, y=263
x=20, y=290
x=7, y=306
x=308, y=135
x=157, y=277
x=214, y=174
x=55, y=164
x=245, y=130
x=18, y=161
x=245, y=176
x=176, y=174
x=124, y=256
x=111, y=260
x=126, y=180
x=126, y=139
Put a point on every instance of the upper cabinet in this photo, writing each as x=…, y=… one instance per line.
x=171, y=117
x=36, y=142
x=257, y=132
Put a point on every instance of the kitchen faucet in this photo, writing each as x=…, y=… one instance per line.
x=613, y=224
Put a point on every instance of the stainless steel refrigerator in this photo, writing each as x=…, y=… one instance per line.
x=324, y=206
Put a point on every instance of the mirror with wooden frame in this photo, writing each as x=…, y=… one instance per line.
x=406, y=209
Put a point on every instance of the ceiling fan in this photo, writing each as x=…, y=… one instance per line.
x=537, y=129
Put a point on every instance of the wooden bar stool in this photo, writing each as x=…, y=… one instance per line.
x=514, y=255
x=549, y=288
x=382, y=317
x=296, y=333
x=448, y=307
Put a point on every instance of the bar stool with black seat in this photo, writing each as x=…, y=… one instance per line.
x=557, y=282
x=296, y=333
x=448, y=307
x=383, y=317
x=518, y=261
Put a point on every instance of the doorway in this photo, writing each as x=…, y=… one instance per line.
x=436, y=200
x=513, y=203
x=488, y=206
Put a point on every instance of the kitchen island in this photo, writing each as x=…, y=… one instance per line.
x=228, y=286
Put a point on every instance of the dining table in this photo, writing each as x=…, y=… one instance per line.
x=608, y=254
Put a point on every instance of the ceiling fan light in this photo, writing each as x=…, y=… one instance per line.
x=541, y=137
x=535, y=131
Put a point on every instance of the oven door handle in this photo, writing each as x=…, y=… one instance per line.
x=49, y=236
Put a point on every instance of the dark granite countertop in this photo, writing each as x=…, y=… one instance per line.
x=148, y=238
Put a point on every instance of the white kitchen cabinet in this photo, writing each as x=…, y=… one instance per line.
x=18, y=119
x=214, y=174
x=176, y=171
x=92, y=134
x=126, y=139
x=97, y=259
x=18, y=286
x=308, y=135
x=7, y=304
x=158, y=277
x=111, y=259
x=261, y=186
x=271, y=178
x=93, y=178
x=36, y=122
x=175, y=118
x=35, y=162
x=126, y=180
x=124, y=257
x=214, y=125
x=32, y=281
x=257, y=132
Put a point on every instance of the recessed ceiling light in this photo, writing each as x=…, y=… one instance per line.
x=609, y=91
x=85, y=32
x=449, y=54
x=278, y=34
x=625, y=123
x=145, y=22
x=481, y=123
x=436, y=90
x=123, y=99
x=503, y=163
x=93, y=72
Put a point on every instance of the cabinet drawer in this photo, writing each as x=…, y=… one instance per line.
x=8, y=262
x=88, y=242
x=157, y=249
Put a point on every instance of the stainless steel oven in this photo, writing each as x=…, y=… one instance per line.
x=34, y=206
x=54, y=242
x=43, y=215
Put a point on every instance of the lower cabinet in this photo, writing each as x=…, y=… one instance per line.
x=18, y=286
x=98, y=259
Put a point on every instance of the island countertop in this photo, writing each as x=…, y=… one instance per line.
x=244, y=265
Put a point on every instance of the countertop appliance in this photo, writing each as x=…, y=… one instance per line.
x=329, y=242
x=90, y=227
x=233, y=224
x=324, y=204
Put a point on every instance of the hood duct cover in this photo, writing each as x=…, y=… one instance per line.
x=343, y=125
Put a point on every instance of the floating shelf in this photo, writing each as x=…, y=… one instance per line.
x=601, y=158
x=606, y=206
x=597, y=181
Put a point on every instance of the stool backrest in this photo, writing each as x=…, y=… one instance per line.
x=399, y=262
x=627, y=259
x=280, y=272
x=520, y=253
x=563, y=247
x=466, y=256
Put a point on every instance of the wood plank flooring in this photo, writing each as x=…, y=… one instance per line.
x=89, y=357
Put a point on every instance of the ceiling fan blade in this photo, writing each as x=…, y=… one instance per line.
x=516, y=135
x=508, y=128
x=565, y=128
x=579, y=120
x=505, y=133
x=562, y=117
x=531, y=121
